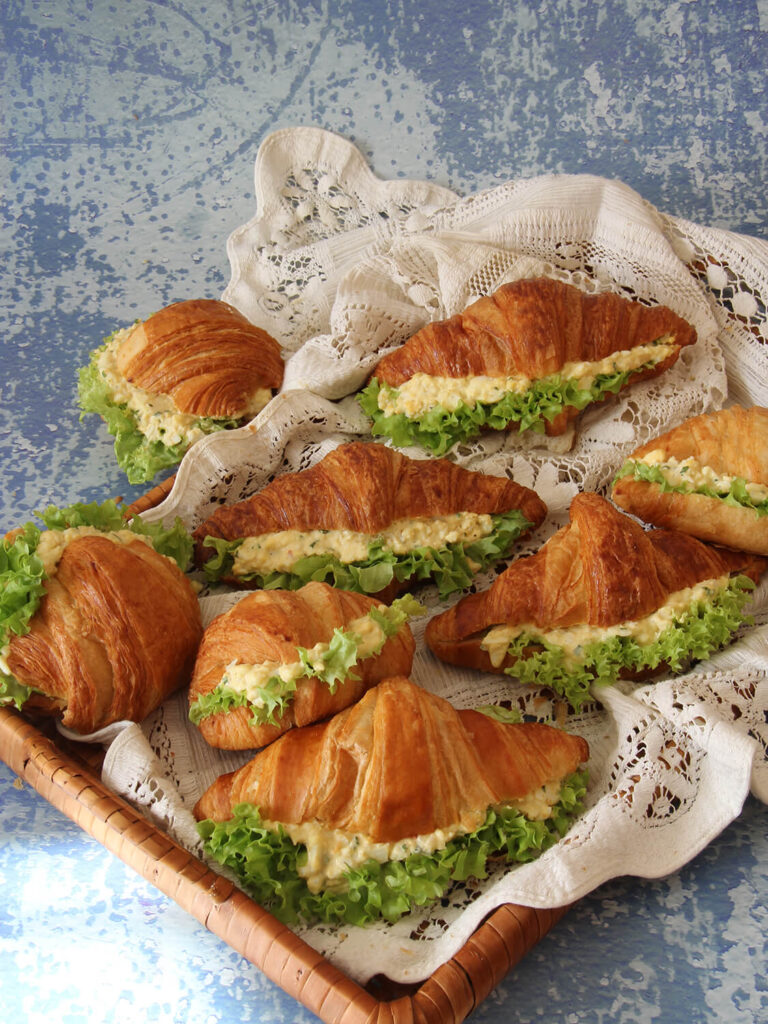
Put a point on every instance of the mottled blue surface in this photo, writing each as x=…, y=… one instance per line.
x=129, y=135
x=682, y=950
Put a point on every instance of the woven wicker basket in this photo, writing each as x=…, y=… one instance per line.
x=67, y=777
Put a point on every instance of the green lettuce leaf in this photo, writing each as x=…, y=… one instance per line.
x=14, y=692
x=266, y=863
x=138, y=457
x=22, y=582
x=173, y=541
x=737, y=494
x=438, y=430
x=508, y=716
x=22, y=587
x=449, y=567
x=704, y=628
x=333, y=667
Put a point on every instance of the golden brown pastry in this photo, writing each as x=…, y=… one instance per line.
x=366, y=518
x=708, y=477
x=280, y=659
x=110, y=629
x=531, y=355
x=602, y=598
x=192, y=368
x=385, y=787
x=205, y=355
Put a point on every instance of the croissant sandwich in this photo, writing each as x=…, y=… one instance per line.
x=601, y=599
x=379, y=809
x=282, y=658
x=98, y=623
x=188, y=370
x=530, y=356
x=368, y=519
x=707, y=477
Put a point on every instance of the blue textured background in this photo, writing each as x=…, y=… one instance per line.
x=129, y=134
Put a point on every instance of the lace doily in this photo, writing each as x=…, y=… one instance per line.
x=342, y=267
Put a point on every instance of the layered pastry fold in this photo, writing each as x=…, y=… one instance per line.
x=368, y=519
x=190, y=369
x=379, y=809
x=707, y=477
x=530, y=356
x=97, y=623
x=601, y=599
x=280, y=659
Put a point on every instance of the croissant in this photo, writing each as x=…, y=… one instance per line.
x=708, y=477
x=192, y=368
x=369, y=519
x=387, y=789
x=110, y=628
x=532, y=355
x=280, y=659
x=602, y=598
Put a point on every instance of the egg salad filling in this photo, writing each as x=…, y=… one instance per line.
x=689, y=626
x=276, y=552
x=332, y=853
x=688, y=476
x=150, y=432
x=30, y=556
x=310, y=873
x=267, y=689
x=446, y=549
x=438, y=412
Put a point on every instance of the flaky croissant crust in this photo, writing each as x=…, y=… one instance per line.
x=601, y=569
x=732, y=442
x=531, y=328
x=401, y=762
x=115, y=634
x=204, y=354
x=268, y=626
x=365, y=487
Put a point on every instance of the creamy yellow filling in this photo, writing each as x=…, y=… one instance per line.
x=573, y=638
x=277, y=552
x=693, y=475
x=332, y=852
x=156, y=415
x=250, y=679
x=423, y=392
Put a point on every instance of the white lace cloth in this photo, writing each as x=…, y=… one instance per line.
x=342, y=267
